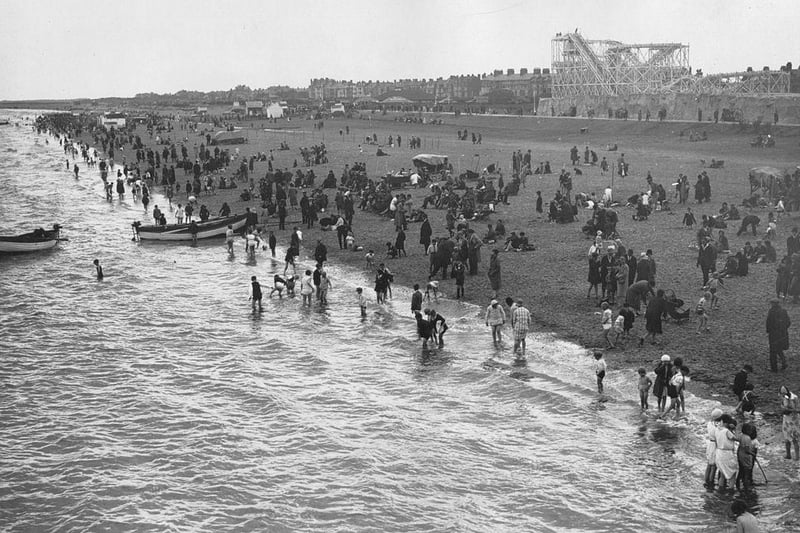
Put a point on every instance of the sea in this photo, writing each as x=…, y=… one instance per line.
x=157, y=400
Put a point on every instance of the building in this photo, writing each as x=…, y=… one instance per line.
x=112, y=120
x=406, y=100
x=525, y=86
x=254, y=108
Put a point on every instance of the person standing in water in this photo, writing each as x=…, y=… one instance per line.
x=520, y=323
x=362, y=301
x=790, y=408
x=255, y=293
x=229, y=239
x=496, y=318
x=438, y=326
x=599, y=370
x=307, y=288
x=416, y=300
x=324, y=285
x=273, y=242
x=98, y=269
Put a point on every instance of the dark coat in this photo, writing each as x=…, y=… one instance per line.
x=778, y=328
x=321, y=253
x=631, y=259
x=425, y=233
x=707, y=257
x=643, y=270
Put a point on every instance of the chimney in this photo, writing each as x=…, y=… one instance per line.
x=498, y=72
x=537, y=71
x=523, y=71
x=545, y=71
x=510, y=72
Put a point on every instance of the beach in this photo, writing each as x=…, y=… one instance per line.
x=159, y=383
x=552, y=279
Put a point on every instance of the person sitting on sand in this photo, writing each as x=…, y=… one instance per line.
x=524, y=244
x=722, y=243
x=770, y=254
x=491, y=236
x=512, y=242
x=731, y=266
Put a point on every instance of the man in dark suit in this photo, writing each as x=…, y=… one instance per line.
x=778, y=330
x=793, y=242
x=707, y=259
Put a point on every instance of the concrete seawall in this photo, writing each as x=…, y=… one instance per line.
x=689, y=107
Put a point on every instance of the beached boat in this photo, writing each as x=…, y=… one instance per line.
x=35, y=241
x=213, y=227
x=4, y=122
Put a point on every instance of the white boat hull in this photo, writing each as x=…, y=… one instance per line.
x=181, y=233
x=10, y=247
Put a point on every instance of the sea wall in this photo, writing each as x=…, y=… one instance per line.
x=688, y=107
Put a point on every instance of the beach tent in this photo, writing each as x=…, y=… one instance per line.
x=430, y=162
x=275, y=110
x=766, y=181
x=228, y=137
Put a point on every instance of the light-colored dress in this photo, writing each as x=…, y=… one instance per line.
x=307, y=286
x=495, y=316
x=791, y=423
x=711, y=442
x=727, y=462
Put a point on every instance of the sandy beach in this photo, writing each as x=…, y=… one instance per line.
x=552, y=279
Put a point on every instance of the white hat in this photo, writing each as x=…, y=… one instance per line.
x=493, y=302
x=716, y=413
x=665, y=358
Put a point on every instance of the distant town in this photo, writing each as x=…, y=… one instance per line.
x=586, y=78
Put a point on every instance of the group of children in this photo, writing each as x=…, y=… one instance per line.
x=730, y=456
x=670, y=382
x=619, y=326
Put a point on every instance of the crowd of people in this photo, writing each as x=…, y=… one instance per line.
x=621, y=281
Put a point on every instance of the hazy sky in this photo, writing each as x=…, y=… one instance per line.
x=69, y=49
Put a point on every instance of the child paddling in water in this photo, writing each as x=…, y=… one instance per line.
x=599, y=370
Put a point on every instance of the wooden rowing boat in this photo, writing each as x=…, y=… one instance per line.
x=34, y=241
x=213, y=227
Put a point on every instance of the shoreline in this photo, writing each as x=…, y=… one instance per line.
x=580, y=329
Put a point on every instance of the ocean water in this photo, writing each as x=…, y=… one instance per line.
x=156, y=400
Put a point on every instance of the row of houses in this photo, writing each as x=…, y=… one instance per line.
x=524, y=86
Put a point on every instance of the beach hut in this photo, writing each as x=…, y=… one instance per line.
x=254, y=108
x=228, y=137
x=112, y=120
x=337, y=110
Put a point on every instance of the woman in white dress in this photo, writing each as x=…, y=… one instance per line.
x=711, y=448
x=727, y=462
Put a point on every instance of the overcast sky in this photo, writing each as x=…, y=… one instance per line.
x=70, y=49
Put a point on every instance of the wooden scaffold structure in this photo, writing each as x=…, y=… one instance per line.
x=583, y=67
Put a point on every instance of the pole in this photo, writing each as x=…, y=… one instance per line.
x=762, y=471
